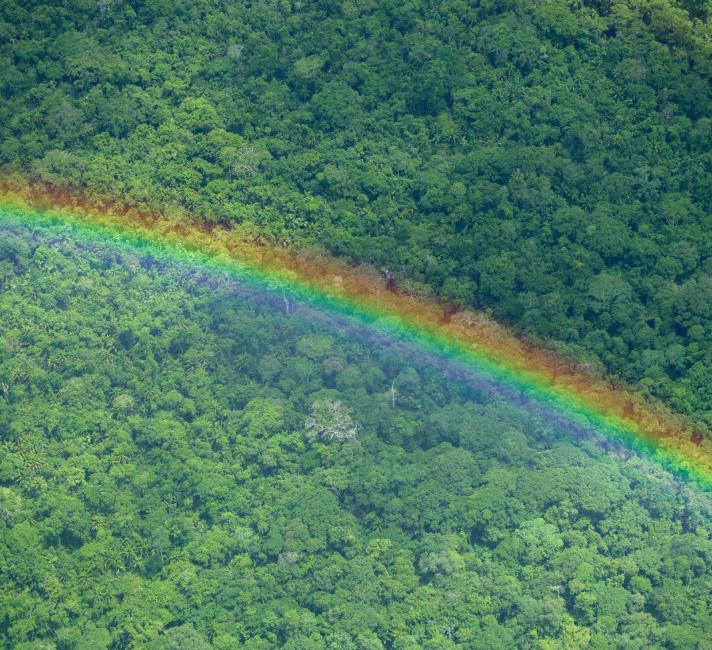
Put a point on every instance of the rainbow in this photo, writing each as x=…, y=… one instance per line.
x=512, y=367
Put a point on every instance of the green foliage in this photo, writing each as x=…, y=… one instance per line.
x=159, y=488
x=184, y=466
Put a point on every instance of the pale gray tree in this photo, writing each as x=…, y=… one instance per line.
x=330, y=420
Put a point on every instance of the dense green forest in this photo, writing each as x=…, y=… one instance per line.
x=185, y=466
x=546, y=161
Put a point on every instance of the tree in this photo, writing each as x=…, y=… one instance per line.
x=330, y=420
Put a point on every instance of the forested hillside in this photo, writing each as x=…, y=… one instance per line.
x=185, y=466
x=548, y=162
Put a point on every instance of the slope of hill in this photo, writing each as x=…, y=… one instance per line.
x=185, y=466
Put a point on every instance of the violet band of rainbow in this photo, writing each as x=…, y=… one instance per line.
x=513, y=369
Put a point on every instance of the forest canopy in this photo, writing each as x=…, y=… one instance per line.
x=185, y=465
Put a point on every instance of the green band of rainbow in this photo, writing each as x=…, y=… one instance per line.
x=468, y=339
